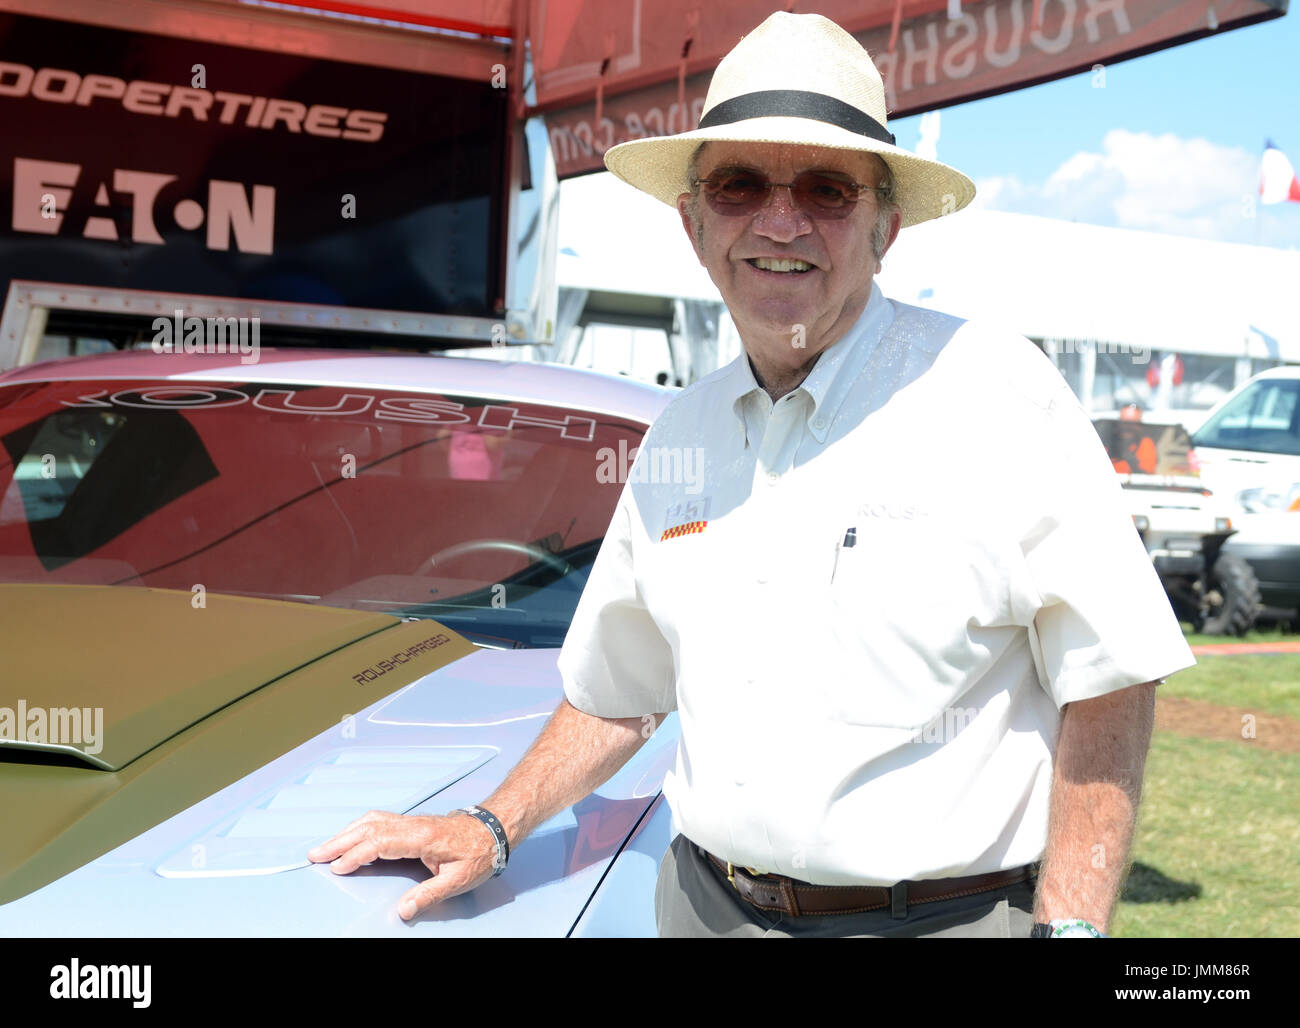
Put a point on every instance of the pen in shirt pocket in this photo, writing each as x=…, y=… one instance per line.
x=850, y=540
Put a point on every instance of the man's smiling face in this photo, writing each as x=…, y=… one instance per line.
x=768, y=305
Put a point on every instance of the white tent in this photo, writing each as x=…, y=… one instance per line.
x=633, y=297
x=1072, y=286
x=1057, y=279
x=617, y=239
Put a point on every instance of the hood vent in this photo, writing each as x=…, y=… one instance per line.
x=274, y=833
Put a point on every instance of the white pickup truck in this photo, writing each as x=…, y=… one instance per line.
x=1250, y=455
x=1183, y=524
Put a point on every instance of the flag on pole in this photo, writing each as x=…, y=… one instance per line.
x=1277, y=179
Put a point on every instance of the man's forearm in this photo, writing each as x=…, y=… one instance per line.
x=1096, y=786
x=572, y=756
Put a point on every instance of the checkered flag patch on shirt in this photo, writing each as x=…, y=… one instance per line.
x=689, y=528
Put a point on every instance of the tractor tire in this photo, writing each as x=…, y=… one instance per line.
x=1234, y=593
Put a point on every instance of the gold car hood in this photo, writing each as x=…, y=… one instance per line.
x=190, y=698
x=146, y=663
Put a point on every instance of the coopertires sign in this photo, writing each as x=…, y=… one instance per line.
x=174, y=165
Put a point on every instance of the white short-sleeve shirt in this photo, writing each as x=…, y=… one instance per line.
x=869, y=601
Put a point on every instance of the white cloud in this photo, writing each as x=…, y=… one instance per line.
x=1161, y=183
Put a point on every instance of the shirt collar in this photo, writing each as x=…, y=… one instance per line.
x=740, y=384
x=834, y=373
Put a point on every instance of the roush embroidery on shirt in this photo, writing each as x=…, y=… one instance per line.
x=893, y=509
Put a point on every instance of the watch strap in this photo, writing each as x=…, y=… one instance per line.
x=498, y=833
x=1066, y=928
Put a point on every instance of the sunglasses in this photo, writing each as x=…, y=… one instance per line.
x=822, y=195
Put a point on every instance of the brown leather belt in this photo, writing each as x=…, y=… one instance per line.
x=795, y=898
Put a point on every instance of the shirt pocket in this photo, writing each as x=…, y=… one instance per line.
x=679, y=574
x=918, y=608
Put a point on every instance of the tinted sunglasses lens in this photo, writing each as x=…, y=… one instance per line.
x=823, y=196
x=735, y=192
x=744, y=192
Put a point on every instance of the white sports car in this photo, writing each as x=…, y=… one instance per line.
x=242, y=604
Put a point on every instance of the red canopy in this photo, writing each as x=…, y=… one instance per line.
x=484, y=17
x=646, y=64
x=611, y=70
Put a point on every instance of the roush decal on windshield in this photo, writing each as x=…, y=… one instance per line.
x=422, y=410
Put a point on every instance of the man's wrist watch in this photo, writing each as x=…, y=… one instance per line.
x=1067, y=928
x=498, y=831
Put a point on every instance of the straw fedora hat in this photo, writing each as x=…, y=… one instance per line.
x=800, y=79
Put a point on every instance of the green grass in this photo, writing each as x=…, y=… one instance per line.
x=1216, y=844
x=1253, y=636
x=1219, y=829
x=1265, y=683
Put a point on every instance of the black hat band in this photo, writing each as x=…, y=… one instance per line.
x=796, y=103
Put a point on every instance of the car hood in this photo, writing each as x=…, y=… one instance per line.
x=1228, y=472
x=151, y=662
x=237, y=735
x=123, y=706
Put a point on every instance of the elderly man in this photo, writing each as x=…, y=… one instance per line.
x=911, y=634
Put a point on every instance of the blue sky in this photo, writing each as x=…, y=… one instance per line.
x=1171, y=143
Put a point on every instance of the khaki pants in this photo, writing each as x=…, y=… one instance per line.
x=694, y=900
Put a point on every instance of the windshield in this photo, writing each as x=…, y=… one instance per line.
x=1149, y=455
x=483, y=514
x=1264, y=417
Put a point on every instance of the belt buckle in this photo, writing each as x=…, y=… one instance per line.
x=731, y=873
